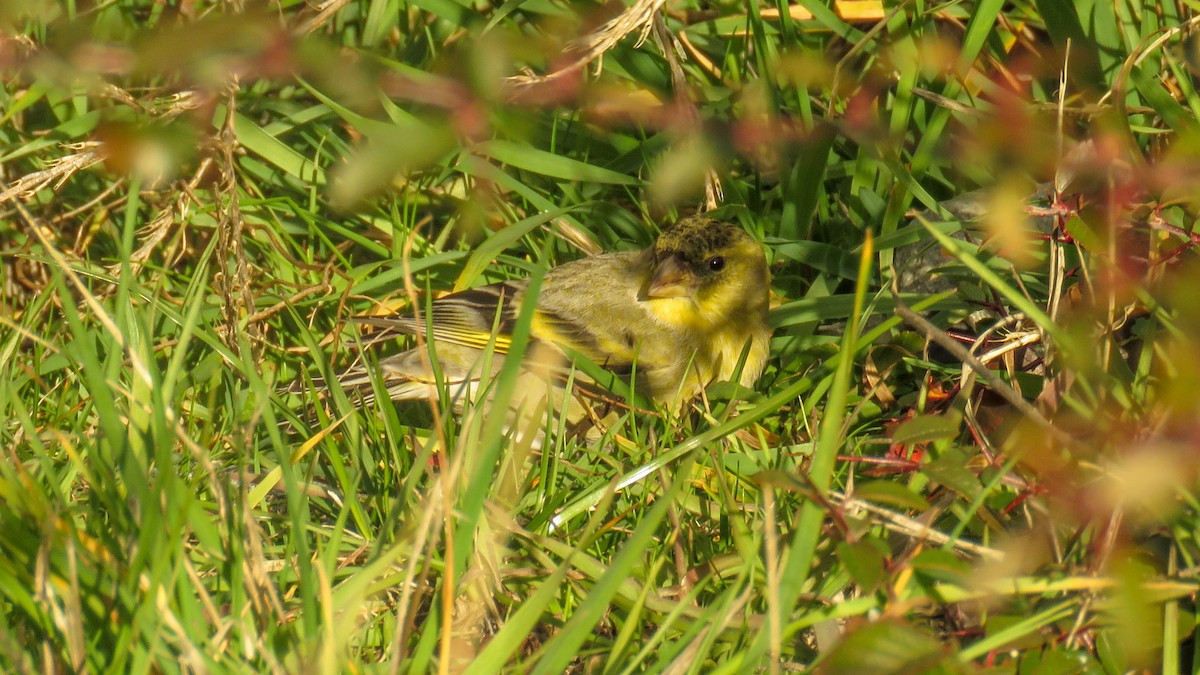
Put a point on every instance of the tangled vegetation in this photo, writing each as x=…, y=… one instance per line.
x=974, y=446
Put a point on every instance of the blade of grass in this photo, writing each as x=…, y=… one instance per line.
x=798, y=560
x=561, y=649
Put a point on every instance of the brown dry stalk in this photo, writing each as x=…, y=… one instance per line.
x=56, y=173
x=324, y=12
x=234, y=278
x=639, y=17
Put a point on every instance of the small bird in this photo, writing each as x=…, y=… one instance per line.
x=678, y=316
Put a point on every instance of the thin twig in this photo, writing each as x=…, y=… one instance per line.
x=914, y=528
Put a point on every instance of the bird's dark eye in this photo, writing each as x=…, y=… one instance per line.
x=716, y=263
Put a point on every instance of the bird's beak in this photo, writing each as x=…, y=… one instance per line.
x=672, y=279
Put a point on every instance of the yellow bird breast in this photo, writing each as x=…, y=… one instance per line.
x=727, y=349
x=718, y=347
x=677, y=313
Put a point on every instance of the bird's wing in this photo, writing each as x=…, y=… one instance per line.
x=590, y=307
x=470, y=318
x=585, y=307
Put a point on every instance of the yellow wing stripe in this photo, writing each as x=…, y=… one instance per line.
x=472, y=338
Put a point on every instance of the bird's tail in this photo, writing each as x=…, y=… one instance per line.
x=404, y=376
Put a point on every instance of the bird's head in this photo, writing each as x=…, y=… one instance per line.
x=716, y=266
